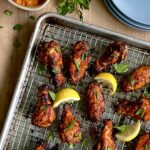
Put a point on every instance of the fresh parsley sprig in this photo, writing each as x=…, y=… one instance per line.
x=69, y=6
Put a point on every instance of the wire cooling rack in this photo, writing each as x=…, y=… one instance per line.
x=24, y=136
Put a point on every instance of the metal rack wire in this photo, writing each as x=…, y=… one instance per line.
x=23, y=135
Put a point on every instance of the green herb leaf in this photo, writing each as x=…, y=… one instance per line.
x=108, y=148
x=32, y=17
x=121, y=68
x=72, y=86
x=77, y=65
x=96, y=93
x=51, y=136
x=1, y=27
x=71, y=146
x=85, y=142
x=58, y=49
x=40, y=68
x=147, y=93
x=70, y=126
x=52, y=95
x=79, y=135
x=83, y=56
x=133, y=95
x=114, y=54
x=8, y=12
x=17, y=27
x=56, y=70
x=120, y=128
x=119, y=88
x=16, y=43
x=131, y=80
x=69, y=6
x=140, y=112
x=147, y=147
x=44, y=107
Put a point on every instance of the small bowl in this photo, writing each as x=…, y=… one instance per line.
x=29, y=8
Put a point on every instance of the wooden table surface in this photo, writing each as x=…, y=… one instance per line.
x=11, y=58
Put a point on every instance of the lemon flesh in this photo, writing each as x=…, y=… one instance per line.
x=130, y=132
x=109, y=80
x=66, y=95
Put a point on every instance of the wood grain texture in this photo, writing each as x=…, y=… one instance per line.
x=11, y=58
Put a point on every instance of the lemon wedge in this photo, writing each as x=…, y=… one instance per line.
x=109, y=80
x=130, y=132
x=66, y=95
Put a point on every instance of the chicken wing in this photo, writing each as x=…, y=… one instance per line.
x=69, y=129
x=138, y=79
x=95, y=101
x=106, y=140
x=135, y=109
x=44, y=114
x=50, y=56
x=115, y=53
x=40, y=146
x=143, y=142
x=79, y=62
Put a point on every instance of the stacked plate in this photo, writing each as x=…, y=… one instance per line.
x=134, y=13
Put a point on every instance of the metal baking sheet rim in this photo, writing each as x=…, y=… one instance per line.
x=89, y=27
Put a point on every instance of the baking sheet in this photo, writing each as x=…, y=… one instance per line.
x=18, y=132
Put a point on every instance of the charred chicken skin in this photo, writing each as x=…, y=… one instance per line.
x=106, y=140
x=50, y=56
x=138, y=79
x=79, y=62
x=44, y=114
x=143, y=142
x=69, y=129
x=135, y=109
x=95, y=101
x=115, y=53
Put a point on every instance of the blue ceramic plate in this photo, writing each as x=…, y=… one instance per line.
x=138, y=10
x=123, y=18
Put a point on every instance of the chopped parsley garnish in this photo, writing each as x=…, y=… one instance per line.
x=72, y=86
x=77, y=65
x=16, y=43
x=121, y=68
x=71, y=146
x=56, y=70
x=108, y=148
x=51, y=136
x=133, y=95
x=70, y=126
x=140, y=112
x=8, y=12
x=119, y=88
x=147, y=147
x=17, y=27
x=58, y=49
x=96, y=93
x=52, y=95
x=40, y=68
x=83, y=56
x=79, y=136
x=32, y=17
x=147, y=94
x=120, y=128
x=44, y=107
x=115, y=55
x=85, y=142
x=131, y=80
